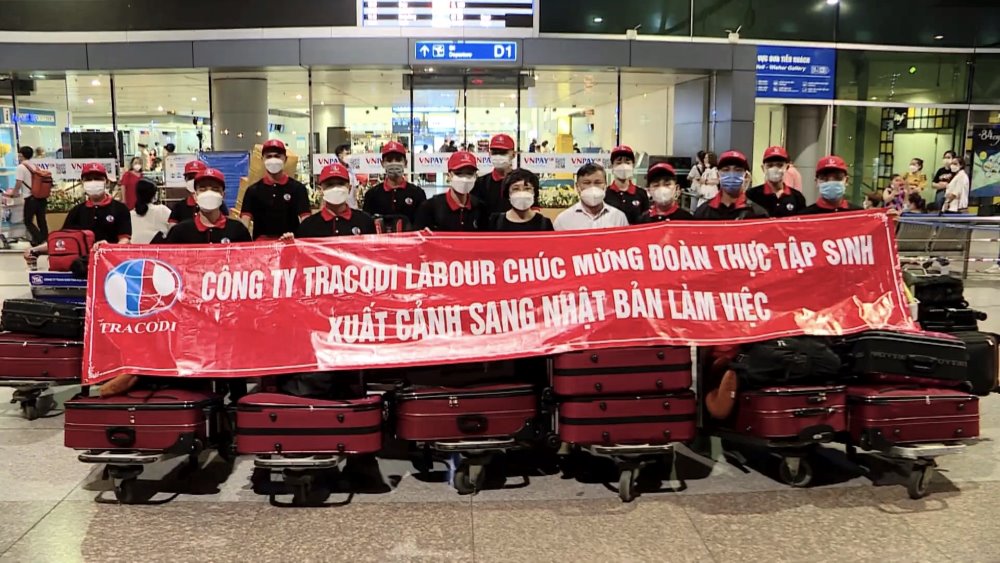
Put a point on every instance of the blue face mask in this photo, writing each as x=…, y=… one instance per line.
x=731, y=182
x=832, y=190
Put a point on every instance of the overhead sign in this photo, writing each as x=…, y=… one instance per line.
x=795, y=72
x=37, y=117
x=435, y=13
x=466, y=51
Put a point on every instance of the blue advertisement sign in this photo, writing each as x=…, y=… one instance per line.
x=795, y=72
x=458, y=51
x=39, y=117
x=985, y=161
x=233, y=165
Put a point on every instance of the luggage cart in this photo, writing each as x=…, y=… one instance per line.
x=916, y=462
x=303, y=474
x=472, y=458
x=31, y=395
x=630, y=461
x=795, y=469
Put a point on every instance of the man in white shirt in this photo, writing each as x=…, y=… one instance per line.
x=590, y=212
x=34, y=208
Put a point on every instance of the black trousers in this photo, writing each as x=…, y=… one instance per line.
x=34, y=211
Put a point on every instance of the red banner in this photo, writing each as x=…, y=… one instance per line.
x=421, y=298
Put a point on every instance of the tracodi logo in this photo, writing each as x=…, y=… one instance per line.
x=141, y=287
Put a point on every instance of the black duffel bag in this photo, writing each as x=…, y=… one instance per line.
x=937, y=290
x=799, y=360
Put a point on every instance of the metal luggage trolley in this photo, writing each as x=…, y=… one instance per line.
x=31, y=395
x=916, y=462
x=630, y=461
x=796, y=470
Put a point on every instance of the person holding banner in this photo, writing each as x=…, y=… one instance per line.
x=209, y=225
x=775, y=195
x=336, y=218
x=731, y=203
x=662, y=185
x=456, y=209
x=591, y=212
x=490, y=188
x=523, y=186
x=277, y=203
x=831, y=180
x=397, y=196
x=624, y=194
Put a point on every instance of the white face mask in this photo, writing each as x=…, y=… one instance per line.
x=137, y=167
x=500, y=161
x=914, y=169
x=663, y=195
x=522, y=201
x=622, y=171
x=593, y=196
x=394, y=169
x=775, y=175
x=93, y=187
x=336, y=195
x=208, y=200
x=955, y=168
x=462, y=185
x=274, y=165
x=189, y=184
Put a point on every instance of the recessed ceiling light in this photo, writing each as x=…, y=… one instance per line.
x=90, y=100
x=159, y=108
x=295, y=132
x=298, y=96
x=832, y=2
x=874, y=98
x=430, y=69
x=598, y=19
x=939, y=37
x=95, y=82
x=503, y=105
x=258, y=133
x=193, y=99
x=239, y=135
x=322, y=103
x=225, y=131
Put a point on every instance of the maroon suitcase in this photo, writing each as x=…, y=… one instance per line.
x=36, y=358
x=883, y=416
x=272, y=423
x=647, y=419
x=621, y=371
x=807, y=413
x=166, y=420
x=428, y=414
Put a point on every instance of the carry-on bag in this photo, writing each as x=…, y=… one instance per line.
x=60, y=287
x=806, y=413
x=28, y=357
x=950, y=320
x=984, y=361
x=627, y=420
x=163, y=420
x=67, y=245
x=930, y=356
x=432, y=413
x=787, y=361
x=274, y=423
x=622, y=370
x=884, y=416
x=42, y=318
x=936, y=290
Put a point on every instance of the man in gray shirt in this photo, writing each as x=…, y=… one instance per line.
x=590, y=212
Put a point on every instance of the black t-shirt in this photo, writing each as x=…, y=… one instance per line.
x=275, y=208
x=743, y=208
x=633, y=204
x=943, y=175
x=783, y=205
x=398, y=201
x=443, y=213
x=537, y=223
x=817, y=209
x=677, y=213
x=327, y=224
x=489, y=189
x=109, y=220
x=186, y=208
x=193, y=231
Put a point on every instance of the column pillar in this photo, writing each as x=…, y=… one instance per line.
x=330, y=127
x=239, y=111
x=732, y=112
x=690, y=117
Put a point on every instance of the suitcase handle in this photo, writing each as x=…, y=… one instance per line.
x=33, y=322
x=472, y=423
x=921, y=364
x=816, y=399
x=801, y=413
x=121, y=436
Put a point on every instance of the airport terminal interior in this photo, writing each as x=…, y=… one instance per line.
x=889, y=109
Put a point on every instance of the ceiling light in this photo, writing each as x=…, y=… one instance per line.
x=193, y=99
x=503, y=105
x=225, y=131
x=939, y=37
x=430, y=69
x=295, y=132
x=322, y=103
x=874, y=98
x=95, y=82
x=513, y=96
x=832, y=2
x=159, y=108
x=239, y=135
x=258, y=133
x=298, y=96
x=598, y=19
x=90, y=101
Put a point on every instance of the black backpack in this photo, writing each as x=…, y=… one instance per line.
x=786, y=361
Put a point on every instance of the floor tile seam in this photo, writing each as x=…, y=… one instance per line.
x=697, y=530
x=39, y=521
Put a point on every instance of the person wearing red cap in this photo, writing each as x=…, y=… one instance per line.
x=490, y=188
x=624, y=194
x=731, y=203
x=276, y=203
x=209, y=225
x=108, y=219
x=775, y=195
x=187, y=208
x=336, y=218
x=397, y=196
x=456, y=209
x=661, y=182
x=831, y=181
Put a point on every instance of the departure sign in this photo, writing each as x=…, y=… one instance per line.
x=448, y=13
x=457, y=51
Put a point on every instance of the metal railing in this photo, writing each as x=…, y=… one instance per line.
x=937, y=236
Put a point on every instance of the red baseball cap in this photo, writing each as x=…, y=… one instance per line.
x=210, y=173
x=462, y=159
x=502, y=142
x=622, y=150
x=393, y=147
x=194, y=166
x=775, y=153
x=661, y=167
x=734, y=157
x=94, y=168
x=273, y=144
x=335, y=170
x=832, y=162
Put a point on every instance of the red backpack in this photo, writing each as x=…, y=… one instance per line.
x=66, y=246
x=41, y=182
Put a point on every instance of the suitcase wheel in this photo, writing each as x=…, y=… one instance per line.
x=469, y=478
x=919, y=481
x=795, y=471
x=627, y=481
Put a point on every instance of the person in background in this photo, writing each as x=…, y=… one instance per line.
x=915, y=203
x=915, y=178
x=168, y=150
x=277, y=203
x=831, y=181
x=793, y=178
x=533, y=147
x=731, y=203
x=544, y=147
x=343, y=153
x=774, y=195
x=522, y=187
x=708, y=186
x=148, y=219
x=894, y=195
x=694, y=175
x=941, y=179
x=661, y=180
x=591, y=212
x=34, y=208
x=39, y=152
x=337, y=217
x=186, y=208
x=576, y=148
x=956, y=197
x=444, y=146
x=127, y=182
x=144, y=156
x=624, y=194
x=397, y=196
x=491, y=188
x=455, y=210
x=451, y=147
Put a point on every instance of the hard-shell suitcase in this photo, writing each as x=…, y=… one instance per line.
x=937, y=290
x=808, y=413
x=950, y=320
x=274, y=423
x=925, y=355
x=626, y=420
x=621, y=371
x=884, y=416
x=164, y=420
x=28, y=357
x=41, y=318
x=430, y=413
x=984, y=361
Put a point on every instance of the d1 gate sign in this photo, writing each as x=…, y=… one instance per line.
x=461, y=51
